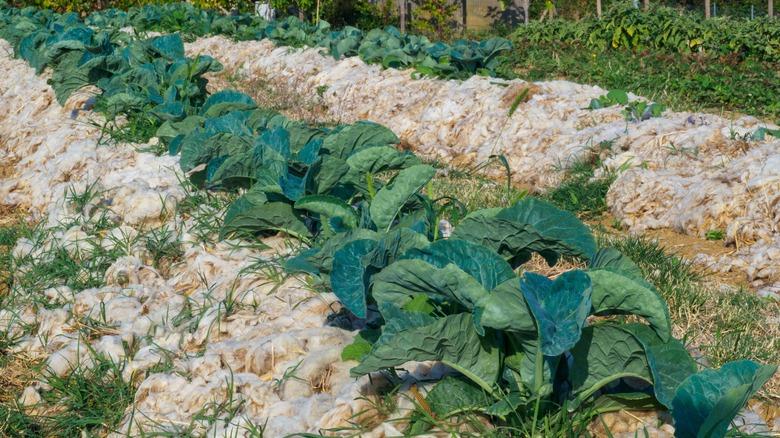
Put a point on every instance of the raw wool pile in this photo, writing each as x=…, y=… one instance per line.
x=224, y=333
x=689, y=172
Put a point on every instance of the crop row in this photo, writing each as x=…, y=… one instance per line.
x=664, y=29
x=520, y=341
x=388, y=47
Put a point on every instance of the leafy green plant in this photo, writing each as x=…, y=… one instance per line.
x=435, y=18
x=580, y=191
x=459, y=302
x=613, y=97
x=761, y=133
x=519, y=341
x=637, y=110
x=634, y=111
x=624, y=27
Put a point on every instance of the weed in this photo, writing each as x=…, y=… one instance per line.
x=164, y=245
x=224, y=410
x=471, y=190
x=580, y=191
x=87, y=399
x=80, y=200
x=693, y=82
x=289, y=374
x=206, y=209
x=138, y=128
x=14, y=422
x=715, y=235
x=59, y=267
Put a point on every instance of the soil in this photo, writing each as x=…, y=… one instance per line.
x=687, y=247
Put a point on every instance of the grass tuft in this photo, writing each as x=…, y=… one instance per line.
x=581, y=191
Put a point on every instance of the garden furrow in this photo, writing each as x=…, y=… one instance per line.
x=217, y=345
x=692, y=172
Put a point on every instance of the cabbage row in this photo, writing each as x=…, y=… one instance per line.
x=388, y=47
x=597, y=339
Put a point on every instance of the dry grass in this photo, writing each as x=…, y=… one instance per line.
x=276, y=95
x=16, y=373
x=472, y=190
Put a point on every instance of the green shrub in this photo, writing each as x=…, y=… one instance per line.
x=663, y=29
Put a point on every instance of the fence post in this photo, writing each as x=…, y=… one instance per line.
x=464, y=4
x=598, y=8
x=402, y=14
x=770, y=8
x=707, y=9
x=526, y=12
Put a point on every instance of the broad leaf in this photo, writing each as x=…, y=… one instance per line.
x=451, y=340
x=603, y=354
x=487, y=267
x=349, y=277
x=528, y=226
x=379, y=159
x=616, y=294
x=328, y=207
x=392, y=197
x=453, y=395
x=707, y=402
x=403, y=280
x=225, y=101
x=560, y=308
x=505, y=308
x=248, y=219
x=562, y=231
x=669, y=362
x=346, y=140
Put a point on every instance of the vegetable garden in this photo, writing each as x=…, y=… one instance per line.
x=518, y=346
